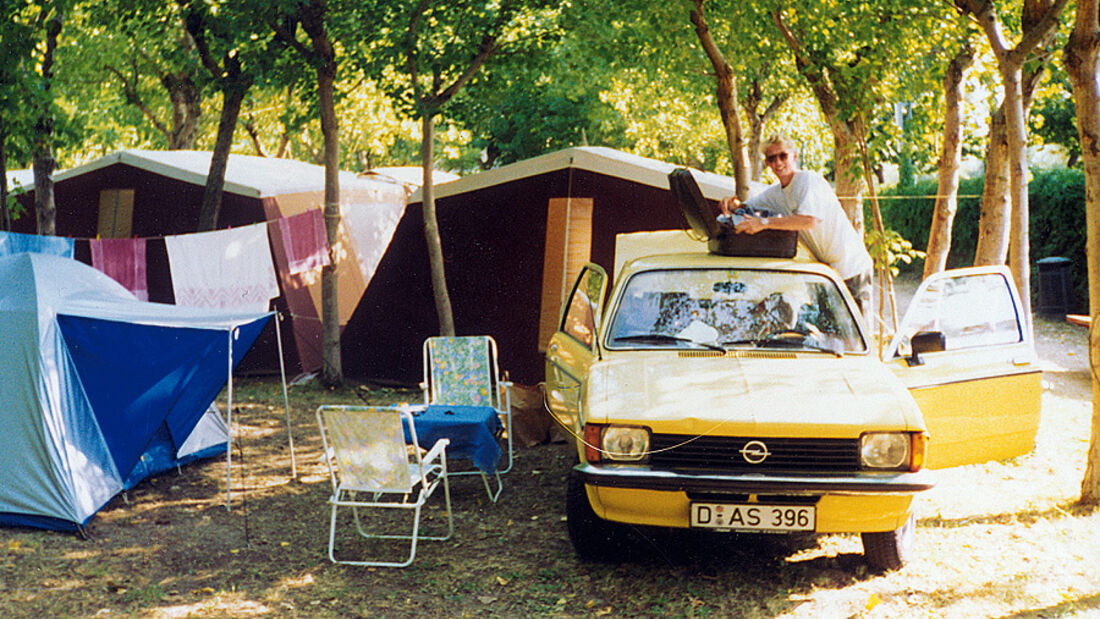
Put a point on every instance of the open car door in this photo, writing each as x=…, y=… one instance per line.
x=967, y=356
x=575, y=345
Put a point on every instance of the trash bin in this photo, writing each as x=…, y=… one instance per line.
x=1055, y=286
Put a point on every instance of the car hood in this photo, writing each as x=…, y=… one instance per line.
x=752, y=393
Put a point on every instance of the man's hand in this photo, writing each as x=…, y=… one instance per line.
x=751, y=225
x=729, y=204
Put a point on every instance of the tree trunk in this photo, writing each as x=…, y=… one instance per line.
x=726, y=94
x=1039, y=19
x=846, y=127
x=186, y=100
x=431, y=227
x=753, y=100
x=43, y=189
x=727, y=107
x=43, y=158
x=848, y=182
x=993, y=228
x=5, y=212
x=1080, y=56
x=939, y=237
x=215, y=178
x=1019, y=250
x=332, y=372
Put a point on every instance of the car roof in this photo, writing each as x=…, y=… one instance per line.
x=704, y=260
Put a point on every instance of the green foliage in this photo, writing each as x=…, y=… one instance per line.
x=1056, y=200
x=908, y=209
x=1057, y=224
x=889, y=250
x=524, y=105
x=1055, y=121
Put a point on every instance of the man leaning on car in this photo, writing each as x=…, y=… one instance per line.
x=810, y=207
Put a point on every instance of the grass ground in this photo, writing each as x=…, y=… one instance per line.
x=997, y=540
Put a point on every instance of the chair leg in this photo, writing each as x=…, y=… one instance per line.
x=450, y=514
x=413, y=538
x=508, y=427
x=493, y=496
x=332, y=536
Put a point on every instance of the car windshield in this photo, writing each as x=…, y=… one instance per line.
x=733, y=308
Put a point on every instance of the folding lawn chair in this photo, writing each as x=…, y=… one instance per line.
x=463, y=371
x=371, y=467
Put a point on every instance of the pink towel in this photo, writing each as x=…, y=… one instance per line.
x=305, y=241
x=124, y=261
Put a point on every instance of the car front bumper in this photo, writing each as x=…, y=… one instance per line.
x=642, y=477
x=851, y=503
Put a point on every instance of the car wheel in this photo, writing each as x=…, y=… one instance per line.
x=593, y=538
x=890, y=550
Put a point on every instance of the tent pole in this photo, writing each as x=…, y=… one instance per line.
x=229, y=440
x=286, y=399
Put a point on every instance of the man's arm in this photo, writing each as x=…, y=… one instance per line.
x=752, y=225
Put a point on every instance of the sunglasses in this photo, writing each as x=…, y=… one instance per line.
x=772, y=158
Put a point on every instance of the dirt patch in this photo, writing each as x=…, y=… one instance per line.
x=1002, y=539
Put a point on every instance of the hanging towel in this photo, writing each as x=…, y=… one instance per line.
x=224, y=268
x=124, y=261
x=305, y=241
x=18, y=243
x=371, y=227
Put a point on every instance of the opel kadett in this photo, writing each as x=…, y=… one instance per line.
x=734, y=393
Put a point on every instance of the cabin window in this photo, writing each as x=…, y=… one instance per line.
x=116, y=214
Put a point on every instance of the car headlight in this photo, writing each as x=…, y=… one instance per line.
x=885, y=450
x=616, y=443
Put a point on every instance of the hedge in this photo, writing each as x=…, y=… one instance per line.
x=1056, y=199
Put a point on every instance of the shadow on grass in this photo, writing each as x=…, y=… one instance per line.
x=1058, y=610
x=735, y=552
x=1065, y=509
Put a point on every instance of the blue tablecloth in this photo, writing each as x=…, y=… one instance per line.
x=471, y=429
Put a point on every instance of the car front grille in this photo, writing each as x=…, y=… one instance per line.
x=724, y=453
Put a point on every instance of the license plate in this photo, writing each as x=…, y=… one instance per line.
x=753, y=517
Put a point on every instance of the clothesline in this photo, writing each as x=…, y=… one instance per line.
x=161, y=237
x=922, y=197
x=230, y=267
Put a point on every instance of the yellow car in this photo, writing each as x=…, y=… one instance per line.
x=745, y=394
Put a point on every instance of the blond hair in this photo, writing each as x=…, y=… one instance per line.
x=780, y=140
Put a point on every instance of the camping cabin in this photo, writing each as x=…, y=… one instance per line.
x=153, y=194
x=514, y=239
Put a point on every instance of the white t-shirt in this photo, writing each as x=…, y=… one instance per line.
x=833, y=240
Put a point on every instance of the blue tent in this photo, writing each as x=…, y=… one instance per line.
x=99, y=390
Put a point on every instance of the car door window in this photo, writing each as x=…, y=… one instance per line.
x=582, y=314
x=971, y=310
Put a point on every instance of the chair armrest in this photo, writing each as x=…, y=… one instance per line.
x=436, y=451
x=507, y=385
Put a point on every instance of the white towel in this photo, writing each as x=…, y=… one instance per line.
x=224, y=268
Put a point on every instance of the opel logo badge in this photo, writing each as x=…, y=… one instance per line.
x=754, y=452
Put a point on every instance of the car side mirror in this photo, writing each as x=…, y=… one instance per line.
x=925, y=342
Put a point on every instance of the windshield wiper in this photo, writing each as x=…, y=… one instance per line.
x=662, y=338
x=782, y=342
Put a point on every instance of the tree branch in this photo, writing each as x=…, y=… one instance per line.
x=702, y=31
x=1034, y=36
x=486, y=49
x=826, y=98
x=131, y=94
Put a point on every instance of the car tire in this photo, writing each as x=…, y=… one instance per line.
x=890, y=550
x=593, y=538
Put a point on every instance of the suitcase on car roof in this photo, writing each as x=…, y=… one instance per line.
x=722, y=239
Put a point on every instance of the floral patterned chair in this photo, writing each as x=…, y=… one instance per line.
x=463, y=371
